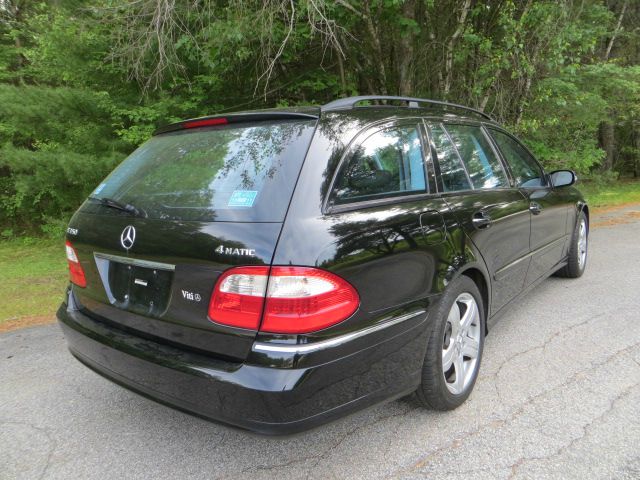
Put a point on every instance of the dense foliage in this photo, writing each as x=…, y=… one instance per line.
x=84, y=82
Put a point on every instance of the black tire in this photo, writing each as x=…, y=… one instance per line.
x=433, y=392
x=574, y=268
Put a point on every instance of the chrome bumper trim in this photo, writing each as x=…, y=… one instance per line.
x=333, y=342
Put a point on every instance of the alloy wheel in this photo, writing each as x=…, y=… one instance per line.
x=582, y=243
x=461, y=343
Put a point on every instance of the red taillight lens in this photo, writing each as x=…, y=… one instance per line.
x=238, y=297
x=298, y=299
x=303, y=300
x=76, y=273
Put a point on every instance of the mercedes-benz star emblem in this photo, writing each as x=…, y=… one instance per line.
x=127, y=237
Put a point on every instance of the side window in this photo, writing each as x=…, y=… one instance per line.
x=525, y=169
x=388, y=162
x=452, y=172
x=483, y=166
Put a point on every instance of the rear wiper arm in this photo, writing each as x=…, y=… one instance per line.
x=125, y=207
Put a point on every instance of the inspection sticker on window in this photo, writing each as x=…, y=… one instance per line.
x=99, y=188
x=242, y=198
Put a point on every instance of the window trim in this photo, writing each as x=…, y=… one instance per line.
x=376, y=202
x=464, y=165
x=545, y=175
x=434, y=154
x=428, y=154
x=328, y=207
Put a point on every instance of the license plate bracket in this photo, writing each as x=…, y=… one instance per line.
x=135, y=285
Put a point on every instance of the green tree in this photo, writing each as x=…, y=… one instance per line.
x=82, y=83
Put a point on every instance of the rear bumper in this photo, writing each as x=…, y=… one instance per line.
x=261, y=398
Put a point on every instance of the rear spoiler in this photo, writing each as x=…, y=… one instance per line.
x=214, y=120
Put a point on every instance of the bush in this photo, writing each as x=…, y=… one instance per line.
x=56, y=144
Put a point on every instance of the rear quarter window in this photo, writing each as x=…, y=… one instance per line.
x=387, y=163
x=243, y=172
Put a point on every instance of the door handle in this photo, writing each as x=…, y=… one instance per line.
x=535, y=208
x=481, y=220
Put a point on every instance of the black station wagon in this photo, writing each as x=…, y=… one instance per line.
x=277, y=269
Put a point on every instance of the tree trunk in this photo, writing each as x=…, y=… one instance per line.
x=448, y=64
x=406, y=59
x=20, y=60
x=375, y=42
x=607, y=143
x=635, y=141
x=343, y=80
x=615, y=31
x=487, y=94
x=523, y=99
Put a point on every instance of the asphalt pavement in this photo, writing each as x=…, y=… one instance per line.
x=558, y=397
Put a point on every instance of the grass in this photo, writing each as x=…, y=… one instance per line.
x=610, y=195
x=33, y=273
x=33, y=276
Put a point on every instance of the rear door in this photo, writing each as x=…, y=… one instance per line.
x=383, y=223
x=380, y=204
x=199, y=201
x=549, y=210
x=494, y=215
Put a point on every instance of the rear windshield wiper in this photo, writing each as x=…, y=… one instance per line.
x=125, y=207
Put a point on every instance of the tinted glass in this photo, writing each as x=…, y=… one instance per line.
x=387, y=163
x=483, y=166
x=525, y=169
x=243, y=173
x=452, y=172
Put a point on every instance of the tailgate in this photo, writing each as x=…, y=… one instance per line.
x=161, y=287
x=188, y=204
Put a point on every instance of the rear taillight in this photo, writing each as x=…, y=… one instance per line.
x=76, y=273
x=302, y=300
x=294, y=299
x=238, y=297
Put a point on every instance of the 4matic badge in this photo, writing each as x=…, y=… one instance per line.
x=248, y=252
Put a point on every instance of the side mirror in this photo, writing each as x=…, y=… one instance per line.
x=563, y=178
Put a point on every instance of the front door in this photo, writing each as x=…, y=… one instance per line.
x=549, y=211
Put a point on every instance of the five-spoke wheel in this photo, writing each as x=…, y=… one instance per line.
x=461, y=342
x=578, y=249
x=454, y=350
x=582, y=242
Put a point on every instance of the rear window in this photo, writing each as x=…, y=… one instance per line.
x=230, y=173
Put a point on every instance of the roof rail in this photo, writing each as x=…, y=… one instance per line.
x=350, y=102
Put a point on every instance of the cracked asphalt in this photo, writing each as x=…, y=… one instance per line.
x=558, y=397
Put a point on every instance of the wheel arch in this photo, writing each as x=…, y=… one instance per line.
x=482, y=282
x=585, y=208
